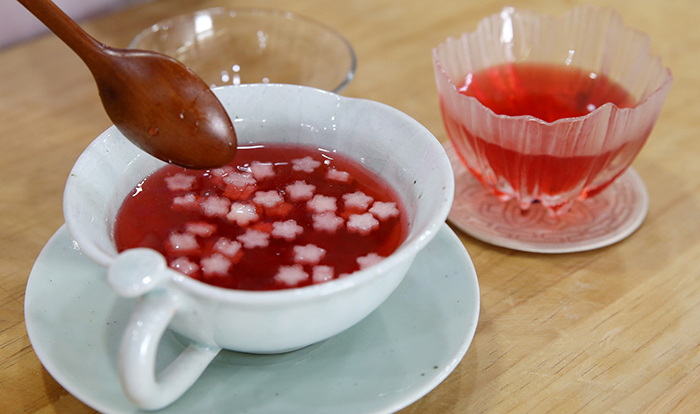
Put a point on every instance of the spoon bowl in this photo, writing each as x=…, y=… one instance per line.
x=155, y=101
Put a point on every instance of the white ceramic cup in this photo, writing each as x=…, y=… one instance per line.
x=383, y=139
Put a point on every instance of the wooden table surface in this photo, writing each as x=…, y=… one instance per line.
x=616, y=330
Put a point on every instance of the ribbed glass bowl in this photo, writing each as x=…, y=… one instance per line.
x=235, y=46
x=553, y=162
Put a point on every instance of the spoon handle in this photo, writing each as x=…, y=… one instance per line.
x=84, y=45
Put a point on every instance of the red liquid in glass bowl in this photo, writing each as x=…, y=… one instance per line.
x=280, y=216
x=549, y=93
x=546, y=91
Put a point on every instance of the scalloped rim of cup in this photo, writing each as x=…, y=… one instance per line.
x=259, y=11
x=530, y=118
x=354, y=280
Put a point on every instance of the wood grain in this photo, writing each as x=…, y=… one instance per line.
x=609, y=331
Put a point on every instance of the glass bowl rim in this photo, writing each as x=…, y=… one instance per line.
x=256, y=11
x=530, y=118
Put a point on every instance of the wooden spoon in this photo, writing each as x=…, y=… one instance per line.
x=155, y=101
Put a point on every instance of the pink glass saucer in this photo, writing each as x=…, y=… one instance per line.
x=596, y=222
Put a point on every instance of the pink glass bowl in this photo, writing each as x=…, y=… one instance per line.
x=555, y=163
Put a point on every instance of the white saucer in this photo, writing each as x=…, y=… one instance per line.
x=596, y=222
x=386, y=362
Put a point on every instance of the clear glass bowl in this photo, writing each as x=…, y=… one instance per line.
x=230, y=47
x=555, y=162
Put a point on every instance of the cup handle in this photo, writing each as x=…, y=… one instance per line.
x=137, y=272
